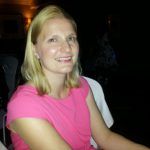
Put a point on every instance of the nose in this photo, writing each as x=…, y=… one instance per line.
x=66, y=46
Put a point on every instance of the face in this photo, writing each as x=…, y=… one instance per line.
x=57, y=46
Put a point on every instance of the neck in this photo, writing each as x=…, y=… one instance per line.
x=57, y=83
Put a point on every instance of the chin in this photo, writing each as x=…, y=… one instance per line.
x=66, y=70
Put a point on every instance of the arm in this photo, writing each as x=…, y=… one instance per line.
x=103, y=136
x=39, y=134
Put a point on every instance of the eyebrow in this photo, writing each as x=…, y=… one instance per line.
x=73, y=34
x=56, y=35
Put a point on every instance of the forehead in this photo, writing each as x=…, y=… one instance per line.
x=57, y=24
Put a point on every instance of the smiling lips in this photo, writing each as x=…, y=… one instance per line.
x=64, y=59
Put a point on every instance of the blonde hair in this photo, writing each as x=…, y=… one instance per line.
x=31, y=68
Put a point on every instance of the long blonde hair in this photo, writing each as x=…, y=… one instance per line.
x=31, y=68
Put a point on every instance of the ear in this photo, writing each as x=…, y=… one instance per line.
x=36, y=55
x=35, y=52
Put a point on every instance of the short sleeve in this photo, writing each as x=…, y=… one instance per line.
x=84, y=86
x=24, y=105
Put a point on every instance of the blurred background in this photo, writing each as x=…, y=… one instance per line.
x=107, y=54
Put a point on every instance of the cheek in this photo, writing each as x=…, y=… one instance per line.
x=76, y=55
x=48, y=52
x=77, y=51
x=52, y=51
x=75, y=48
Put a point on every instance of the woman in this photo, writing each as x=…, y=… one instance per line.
x=55, y=108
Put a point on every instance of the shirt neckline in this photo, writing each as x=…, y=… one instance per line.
x=33, y=89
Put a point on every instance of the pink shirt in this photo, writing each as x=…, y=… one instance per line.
x=69, y=116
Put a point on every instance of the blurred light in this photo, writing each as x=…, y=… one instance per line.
x=27, y=23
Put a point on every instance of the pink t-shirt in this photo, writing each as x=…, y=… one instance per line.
x=69, y=116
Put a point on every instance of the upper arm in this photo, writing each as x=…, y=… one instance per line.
x=39, y=134
x=99, y=129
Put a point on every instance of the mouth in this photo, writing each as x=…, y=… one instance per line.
x=64, y=59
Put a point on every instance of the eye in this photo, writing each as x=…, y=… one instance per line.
x=52, y=40
x=72, y=38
